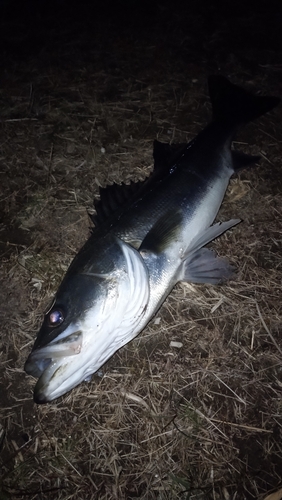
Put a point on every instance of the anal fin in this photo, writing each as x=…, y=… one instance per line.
x=202, y=265
x=206, y=267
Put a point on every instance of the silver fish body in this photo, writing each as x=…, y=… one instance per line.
x=148, y=236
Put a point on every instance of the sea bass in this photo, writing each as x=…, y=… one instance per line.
x=148, y=236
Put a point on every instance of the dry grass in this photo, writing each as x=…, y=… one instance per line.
x=196, y=419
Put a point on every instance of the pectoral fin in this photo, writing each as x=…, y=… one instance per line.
x=163, y=233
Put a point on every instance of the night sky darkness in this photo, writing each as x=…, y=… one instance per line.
x=222, y=26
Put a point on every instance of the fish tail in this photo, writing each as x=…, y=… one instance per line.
x=235, y=105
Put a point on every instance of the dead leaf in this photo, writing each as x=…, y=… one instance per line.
x=275, y=496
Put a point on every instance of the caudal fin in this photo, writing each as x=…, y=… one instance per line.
x=235, y=105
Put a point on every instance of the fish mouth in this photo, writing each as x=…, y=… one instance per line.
x=49, y=362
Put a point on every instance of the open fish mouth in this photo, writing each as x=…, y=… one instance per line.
x=41, y=358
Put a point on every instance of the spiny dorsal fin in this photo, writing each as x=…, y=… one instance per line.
x=112, y=198
x=115, y=197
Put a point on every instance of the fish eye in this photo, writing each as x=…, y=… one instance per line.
x=56, y=317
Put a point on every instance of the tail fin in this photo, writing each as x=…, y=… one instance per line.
x=234, y=104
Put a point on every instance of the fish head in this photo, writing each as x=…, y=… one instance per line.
x=93, y=315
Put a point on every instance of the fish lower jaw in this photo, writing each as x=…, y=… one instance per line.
x=51, y=384
x=40, y=398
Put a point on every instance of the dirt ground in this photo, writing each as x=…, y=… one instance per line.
x=84, y=91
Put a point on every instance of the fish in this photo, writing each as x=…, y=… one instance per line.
x=148, y=236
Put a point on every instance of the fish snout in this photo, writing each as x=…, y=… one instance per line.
x=40, y=398
x=40, y=358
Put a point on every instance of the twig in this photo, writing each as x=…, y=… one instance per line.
x=267, y=330
x=241, y=426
